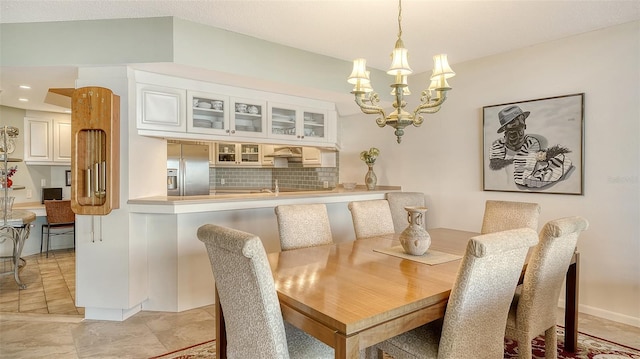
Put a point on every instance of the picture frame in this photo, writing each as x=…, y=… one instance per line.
x=67, y=177
x=534, y=146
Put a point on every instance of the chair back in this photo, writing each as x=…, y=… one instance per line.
x=247, y=293
x=505, y=215
x=479, y=302
x=371, y=218
x=303, y=225
x=397, y=202
x=546, y=271
x=59, y=212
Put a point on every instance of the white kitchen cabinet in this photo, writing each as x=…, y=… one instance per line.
x=267, y=161
x=47, y=141
x=179, y=108
x=208, y=113
x=316, y=157
x=248, y=118
x=161, y=108
x=238, y=154
x=296, y=123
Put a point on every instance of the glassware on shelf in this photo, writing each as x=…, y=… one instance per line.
x=6, y=206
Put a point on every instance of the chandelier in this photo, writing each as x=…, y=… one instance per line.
x=430, y=100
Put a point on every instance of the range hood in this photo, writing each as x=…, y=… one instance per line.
x=286, y=152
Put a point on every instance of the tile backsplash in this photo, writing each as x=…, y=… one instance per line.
x=295, y=176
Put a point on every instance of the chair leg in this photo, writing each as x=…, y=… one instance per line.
x=48, y=240
x=551, y=343
x=524, y=347
x=41, y=237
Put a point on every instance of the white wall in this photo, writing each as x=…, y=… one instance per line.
x=443, y=158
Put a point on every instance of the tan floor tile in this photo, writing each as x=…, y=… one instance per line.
x=10, y=306
x=68, y=308
x=52, y=294
x=62, y=302
x=30, y=307
x=32, y=299
x=9, y=296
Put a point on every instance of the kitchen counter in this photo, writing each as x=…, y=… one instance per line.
x=168, y=227
x=233, y=201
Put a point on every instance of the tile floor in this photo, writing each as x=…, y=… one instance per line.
x=39, y=322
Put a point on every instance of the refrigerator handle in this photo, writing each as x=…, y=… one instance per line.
x=183, y=177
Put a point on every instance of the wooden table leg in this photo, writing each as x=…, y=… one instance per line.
x=221, y=332
x=571, y=306
x=346, y=348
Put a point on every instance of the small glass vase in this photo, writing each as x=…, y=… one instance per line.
x=370, y=179
x=6, y=206
x=415, y=239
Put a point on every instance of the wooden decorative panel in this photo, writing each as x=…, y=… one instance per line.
x=95, y=151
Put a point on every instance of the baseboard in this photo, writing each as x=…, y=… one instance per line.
x=605, y=314
x=117, y=315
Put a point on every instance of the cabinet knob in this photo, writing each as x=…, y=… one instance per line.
x=227, y=131
x=233, y=131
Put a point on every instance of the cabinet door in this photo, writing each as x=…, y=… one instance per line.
x=161, y=108
x=250, y=154
x=315, y=157
x=248, y=118
x=38, y=144
x=283, y=122
x=265, y=150
x=62, y=141
x=208, y=113
x=226, y=153
x=315, y=125
x=311, y=156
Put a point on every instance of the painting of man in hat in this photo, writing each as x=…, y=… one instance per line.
x=523, y=158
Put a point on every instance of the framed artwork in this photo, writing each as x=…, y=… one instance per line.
x=534, y=146
x=67, y=177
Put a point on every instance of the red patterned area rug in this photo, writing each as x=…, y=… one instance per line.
x=198, y=351
x=589, y=347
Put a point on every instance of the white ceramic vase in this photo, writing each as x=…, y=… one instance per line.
x=415, y=239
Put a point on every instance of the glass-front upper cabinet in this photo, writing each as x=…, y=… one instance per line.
x=283, y=122
x=244, y=154
x=315, y=125
x=295, y=123
x=209, y=113
x=248, y=117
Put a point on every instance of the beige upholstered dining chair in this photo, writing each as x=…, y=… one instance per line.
x=371, y=218
x=533, y=310
x=253, y=319
x=303, y=225
x=397, y=202
x=504, y=215
x=60, y=219
x=478, y=304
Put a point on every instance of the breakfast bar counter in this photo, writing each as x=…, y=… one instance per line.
x=226, y=201
x=179, y=271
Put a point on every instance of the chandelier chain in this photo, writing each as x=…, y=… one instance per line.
x=399, y=19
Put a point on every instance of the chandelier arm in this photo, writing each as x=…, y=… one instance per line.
x=370, y=109
x=430, y=107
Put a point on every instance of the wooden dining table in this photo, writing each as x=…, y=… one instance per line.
x=350, y=296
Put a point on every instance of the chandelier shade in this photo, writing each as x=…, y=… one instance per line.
x=430, y=100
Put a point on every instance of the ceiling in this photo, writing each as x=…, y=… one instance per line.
x=343, y=29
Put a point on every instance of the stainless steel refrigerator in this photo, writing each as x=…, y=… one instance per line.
x=187, y=169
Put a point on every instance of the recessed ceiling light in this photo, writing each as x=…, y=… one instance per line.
x=26, y=87
x=23, y=99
